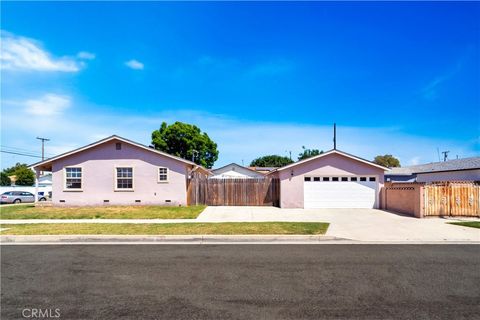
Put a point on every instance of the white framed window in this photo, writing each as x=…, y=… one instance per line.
x=162, y=174
x=73, y=178
x=123, y=178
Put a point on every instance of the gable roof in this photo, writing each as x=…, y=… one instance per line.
x=450, y=165
x=333, y=151
x=214, y=171
x=110, y=138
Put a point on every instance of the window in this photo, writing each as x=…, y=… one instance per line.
x=371, y=179
x=307, y=179
x=353, y=179
x=118, y=146
x=326, y=179
x=363, y=178
x=334, y=178
x=344, y=178
x=316, y=179
x=73, y=178
x=162, y=174
x=124, y=178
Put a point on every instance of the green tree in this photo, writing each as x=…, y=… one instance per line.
x=271, y=161
x=186, y=141
x=307, y=153
x=23, y=175
x=387, y=160
x=4, y=179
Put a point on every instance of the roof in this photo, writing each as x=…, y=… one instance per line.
x=113, y=137
x=450, y=165
x=263, y=168
x=333, y=151
x=236, y=165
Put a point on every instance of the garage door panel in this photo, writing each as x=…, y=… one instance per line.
x=341, y=194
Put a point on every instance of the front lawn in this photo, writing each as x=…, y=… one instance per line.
x=473, y=224
x=223, y=228
x=107, y=212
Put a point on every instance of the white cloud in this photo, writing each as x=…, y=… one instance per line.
x=134, y=64
x=86, y=55
x=20, y=53
x=48, y=105
x=237, y=139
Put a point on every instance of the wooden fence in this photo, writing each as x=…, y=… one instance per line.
x=452, y=199
x=233, y=192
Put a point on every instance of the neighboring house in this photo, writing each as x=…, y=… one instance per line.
x=45, y=180
x=234, y=170
x=467, y=169
x=333, y=179
x=263, y=170
x=116, y=170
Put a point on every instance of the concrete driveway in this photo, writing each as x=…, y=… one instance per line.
x=354, y=224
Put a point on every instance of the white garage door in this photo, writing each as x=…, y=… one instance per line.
x=340, y=192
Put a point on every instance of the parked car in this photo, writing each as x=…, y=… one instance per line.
x=20, y=196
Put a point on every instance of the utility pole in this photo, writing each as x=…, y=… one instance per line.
x=290, y=153
x=445, y=155
x=43, y=146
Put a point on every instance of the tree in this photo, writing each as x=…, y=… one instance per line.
x=186, y=141
x=387, y=160
x=271, y=161
x=4, y=179
x=307, y=153
x=23, y=175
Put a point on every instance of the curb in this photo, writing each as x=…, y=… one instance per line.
x=114, y=239
x=200, y=239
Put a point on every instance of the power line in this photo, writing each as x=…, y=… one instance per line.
x=21, y=154
x=17, y=149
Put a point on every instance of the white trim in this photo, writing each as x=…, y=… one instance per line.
x=167, y=174
x=65, y=189
x=328, y=153
x=115, y=178
x=113, y=137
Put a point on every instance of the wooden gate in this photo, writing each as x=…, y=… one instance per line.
x=452, y=199
x=234, y=192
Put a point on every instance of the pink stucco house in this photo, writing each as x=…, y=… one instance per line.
x=334, y=179
x=115, y=171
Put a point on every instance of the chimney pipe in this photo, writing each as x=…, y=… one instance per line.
x=334, y=136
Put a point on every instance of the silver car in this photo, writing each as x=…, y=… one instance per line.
x=19, y=197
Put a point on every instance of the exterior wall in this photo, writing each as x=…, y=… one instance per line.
x=98, y=171
x=404, y=198
x=461, y=175
x=292, y=179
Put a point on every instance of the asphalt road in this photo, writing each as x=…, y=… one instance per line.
x=242, y=281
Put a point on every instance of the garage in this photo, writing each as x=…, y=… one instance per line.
x=333, y=179
x=340, y=192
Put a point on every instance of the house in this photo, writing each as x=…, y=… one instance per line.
x=333, y=179
x=467, y=169
x=119, y=171
x=263, y=170
x=234, y=170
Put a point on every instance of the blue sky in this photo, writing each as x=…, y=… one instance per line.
x=259, y=78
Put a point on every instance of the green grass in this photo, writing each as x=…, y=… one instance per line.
x=473, y=224
x=224, y=228
x=107, y=212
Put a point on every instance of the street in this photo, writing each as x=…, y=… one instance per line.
x=242, y=281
